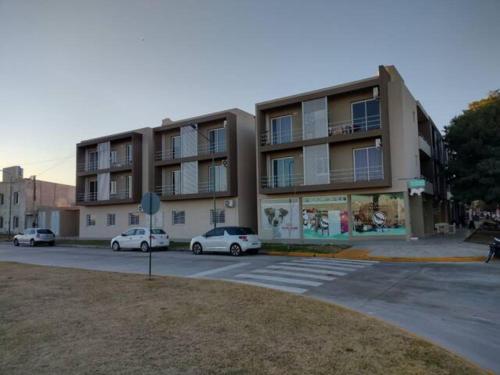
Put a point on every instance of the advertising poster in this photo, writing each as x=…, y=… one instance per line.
x=325, y=217
x=280, y=219
x=378, y=214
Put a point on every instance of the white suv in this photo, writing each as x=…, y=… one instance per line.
x=35, y=236
x=138, y=238
x=235, y=240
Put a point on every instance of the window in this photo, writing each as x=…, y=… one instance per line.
x=111, y=220
x=1, y=221
x=282, y=172
x=112, y=187
x=128, y=153
x=130, y=232
x=176, y=147
x=220, y=216
x=90, y=220
x=366, y=115
x=178, y=217
x=157, y=231
x=16, y=197
x=92, y=161
x=176, y=182
x=217, y=139
x=140, y=232
x=281, y=129
x=1, y=198
x=113, y=157
x=128, y=186
x=217, y=180
x=43, y=231
x=239, y=231
x=368, y=164
x=133, y=219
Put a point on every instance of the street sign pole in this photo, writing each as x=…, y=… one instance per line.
x=150, y=233
x=150, y=204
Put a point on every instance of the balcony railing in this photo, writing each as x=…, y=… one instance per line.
x=357, y=125
x=336, y=176
x=93, y=166
x=92, y=196
x=203, y=187
x=87, y=197
x=203, y=149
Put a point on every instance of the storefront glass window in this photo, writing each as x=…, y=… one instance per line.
x=325, y=217
x=378, y=214
x=280, y=219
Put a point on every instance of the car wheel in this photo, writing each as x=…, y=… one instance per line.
x=32, y=242
x=197, y=249
x=116, y=246
x=16, y=242
x=144, y=247
x=235, y=249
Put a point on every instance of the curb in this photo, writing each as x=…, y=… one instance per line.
x=362, y=254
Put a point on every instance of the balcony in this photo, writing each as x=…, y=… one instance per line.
x=93, y=165
x=336, y=176
x=204, y=187
x=203, y=149
x=358, y=125
x=120, y=195
x=92, y=196
x=87, y=197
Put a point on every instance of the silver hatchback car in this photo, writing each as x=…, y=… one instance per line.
x=35, y=236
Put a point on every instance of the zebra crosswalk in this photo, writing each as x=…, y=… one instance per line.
x=297, y=276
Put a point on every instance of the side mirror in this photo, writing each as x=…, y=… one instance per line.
x=21, y=234
x=124, y=234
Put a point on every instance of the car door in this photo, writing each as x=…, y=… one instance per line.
x=126, y=242
x=139, y=237
x=208, y=240
x=218, y=240
x=27, y=235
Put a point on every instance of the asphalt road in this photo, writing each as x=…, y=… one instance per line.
x=455, y=305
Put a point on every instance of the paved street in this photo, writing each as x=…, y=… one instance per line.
x=454, y=305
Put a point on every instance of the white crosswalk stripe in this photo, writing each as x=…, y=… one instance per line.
x=296, y=275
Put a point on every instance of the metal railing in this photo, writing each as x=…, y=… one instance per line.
x=202, y=187
x=203, y=149
x=87, y=197
x=93, y=166
x=336, y=176
x=119, y=195
x=356, y=125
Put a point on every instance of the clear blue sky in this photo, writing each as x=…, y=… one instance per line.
x=72, y=70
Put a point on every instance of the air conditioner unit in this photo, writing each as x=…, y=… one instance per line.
x=229, y=203
x=375, y=92
x=378, y=142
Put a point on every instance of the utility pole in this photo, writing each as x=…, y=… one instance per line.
x=35, y=214
x=10, y=205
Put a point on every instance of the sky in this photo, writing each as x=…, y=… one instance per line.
x=74, y=70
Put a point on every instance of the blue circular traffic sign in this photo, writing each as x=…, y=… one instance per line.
x=150, y=203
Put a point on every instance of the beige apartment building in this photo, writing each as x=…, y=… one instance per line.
x=29, y=202
x=202, y=160
x=188, y=163
x=112, y=172
x=337, y=163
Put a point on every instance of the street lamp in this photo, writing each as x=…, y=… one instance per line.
x=214, y=217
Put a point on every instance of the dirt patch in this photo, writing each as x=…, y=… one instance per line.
x=60, y=321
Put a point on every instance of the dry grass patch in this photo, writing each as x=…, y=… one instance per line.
x=62, y=321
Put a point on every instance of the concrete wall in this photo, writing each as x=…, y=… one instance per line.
x=341, y=154
x=101, y=230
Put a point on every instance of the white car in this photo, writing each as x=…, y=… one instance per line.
x=35, y=236
x=235, y=240
x=138, y=238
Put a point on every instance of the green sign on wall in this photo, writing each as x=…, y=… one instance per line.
x=416, y=183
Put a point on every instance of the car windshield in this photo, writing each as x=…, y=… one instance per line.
x=44, y=231
x=239, y=231
x=157, y=231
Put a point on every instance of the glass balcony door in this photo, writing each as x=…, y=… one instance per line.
x=366, y=115
x=368, y=164
x=217, y=139
x=281, y=129
x=282, y=172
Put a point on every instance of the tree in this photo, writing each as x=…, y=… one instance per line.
x=473, y=140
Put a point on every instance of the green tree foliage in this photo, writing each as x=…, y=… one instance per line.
x=474, y=143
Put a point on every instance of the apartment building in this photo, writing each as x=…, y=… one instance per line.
x=24, y=202
x=187, y=162
x=112, y=173
x=337, y=163
x=205, y=172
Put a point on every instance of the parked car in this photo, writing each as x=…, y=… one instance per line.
x=35, y=236
x=138, y=238
x=235, y=240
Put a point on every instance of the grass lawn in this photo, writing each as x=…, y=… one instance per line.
x=324, y=249
x=66, y=321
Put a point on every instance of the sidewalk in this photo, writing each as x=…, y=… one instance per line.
x=439, y=248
